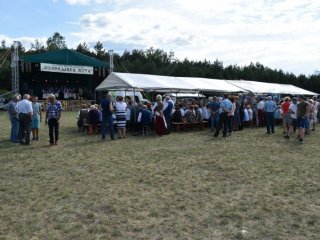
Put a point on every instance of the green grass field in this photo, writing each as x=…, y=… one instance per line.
x=181, y=186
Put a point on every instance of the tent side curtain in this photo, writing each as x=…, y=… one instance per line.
x=128, y=81
x=65, y=57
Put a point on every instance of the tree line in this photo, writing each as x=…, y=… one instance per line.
x=159, y=62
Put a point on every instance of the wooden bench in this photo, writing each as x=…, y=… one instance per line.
x=89, y=128
x=185, y=125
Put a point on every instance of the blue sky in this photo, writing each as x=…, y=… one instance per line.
x=282, y=34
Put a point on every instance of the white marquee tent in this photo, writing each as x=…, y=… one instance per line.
x=270, y=88
x=145, y=82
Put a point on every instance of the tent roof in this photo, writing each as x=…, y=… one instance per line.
x=143, y=82
x=270, y=88
x=65, y=57
x=186, y=95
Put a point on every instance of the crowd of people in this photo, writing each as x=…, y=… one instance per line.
x=25, y=116
x=224, y=114
x=65, y=93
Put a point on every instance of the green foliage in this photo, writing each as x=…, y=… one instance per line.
x=36, y=47
x=83, y=48
x=100, y=52
x=56, y=42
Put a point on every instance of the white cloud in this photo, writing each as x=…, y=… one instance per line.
x=25, y=41
x=88, y=2
x=74, y=2
x=278, y=33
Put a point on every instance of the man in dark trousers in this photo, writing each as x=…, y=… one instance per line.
x=25, y=111
x=214, y=107
x=167, y=111
x=13, y=116
x=269, y=108
x=225, y=108
x=53, y=116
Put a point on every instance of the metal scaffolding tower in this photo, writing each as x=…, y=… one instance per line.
x=15, y=67
x=111, y=60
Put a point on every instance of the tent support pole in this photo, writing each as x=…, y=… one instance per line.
x=135, y=108
x=202, y=104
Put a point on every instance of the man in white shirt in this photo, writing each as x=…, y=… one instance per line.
x=25, y=111
x=260, y=108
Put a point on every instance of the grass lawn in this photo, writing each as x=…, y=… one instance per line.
x=181, y=186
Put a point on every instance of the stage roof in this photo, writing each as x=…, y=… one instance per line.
x=64, y=57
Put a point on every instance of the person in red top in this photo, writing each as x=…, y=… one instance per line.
x=286, y=118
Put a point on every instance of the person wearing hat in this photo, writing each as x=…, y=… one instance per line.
x=286, y=118
x=303, y=111
x=269, y=108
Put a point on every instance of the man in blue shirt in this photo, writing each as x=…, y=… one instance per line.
x=13, y=116
x=107, y=109
x=225, y=109
x=213, y=107
x=167, y=111
x=53, y=115
x=269, y=108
